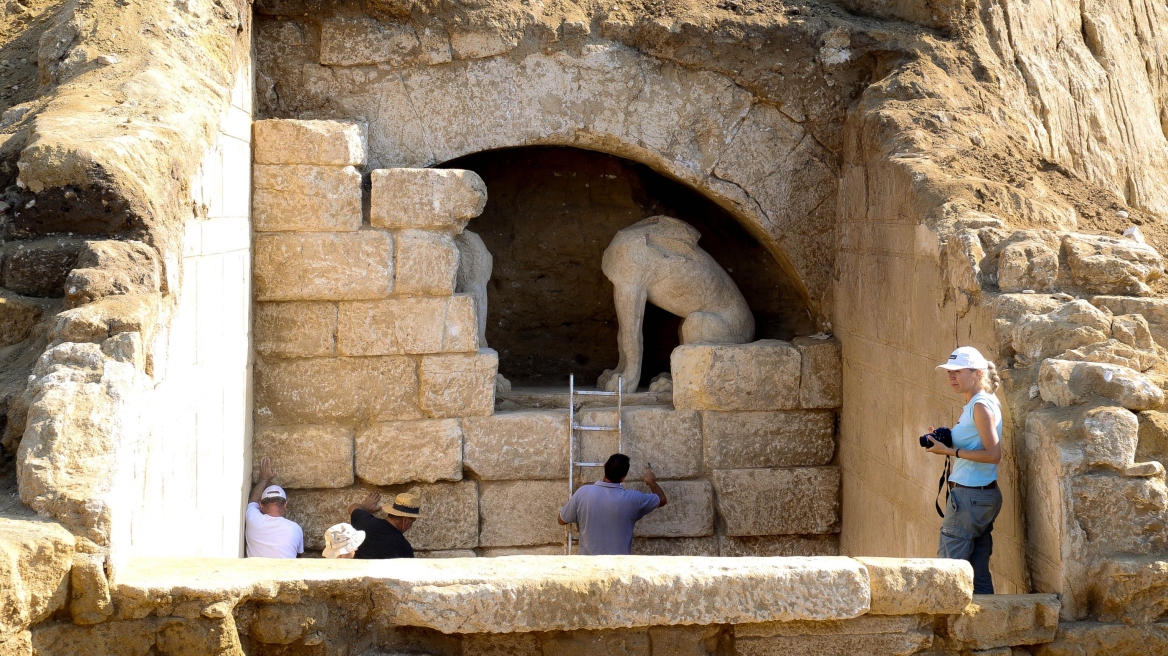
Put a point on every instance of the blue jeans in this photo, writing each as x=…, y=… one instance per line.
x=967, y=532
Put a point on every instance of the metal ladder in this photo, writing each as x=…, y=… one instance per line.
x=573, y=427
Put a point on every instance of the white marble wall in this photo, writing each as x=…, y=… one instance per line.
x=192, y=470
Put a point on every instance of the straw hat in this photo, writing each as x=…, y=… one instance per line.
x=341, y=539
x=404, y=505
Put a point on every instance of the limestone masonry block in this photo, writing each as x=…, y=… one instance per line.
x=17, y=317
x=323, y=266
x=35, y=558
x=425, y=263
x=763, y=375
x=523, y=445
x=458, y=385
x=1028, y=264
x=669, y=439
x=427, y=199
x=993, y=621
x=361, y=41
x=326, y=143
x=1103, y=264
x=296, y=329
x=447, y=553
x=519, y=513
x=794, y=438
x=89, y=598
x=769, y=546
x=450, y=515
x=316, y=510
x=910, y=586
x=704, y=546
x=1064, y=383
x=689, y=513
x=801, y=501
x=412, y=325
x=540, y=550
x=306, y=391
x=868, y=634
x=406, y=451
x=306, y=456
x=1131, y=590
x=303, y=198
x=821, y=379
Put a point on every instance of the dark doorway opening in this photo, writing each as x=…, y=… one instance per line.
x=550, y=214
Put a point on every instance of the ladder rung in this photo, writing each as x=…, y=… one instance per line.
x=588, y=464
x=595, y=393
x=593, y=428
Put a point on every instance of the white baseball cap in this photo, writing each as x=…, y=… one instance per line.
x=273, y=492
x=965, y=357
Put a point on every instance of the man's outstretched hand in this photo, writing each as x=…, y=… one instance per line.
x=369, y=505
x=650, y=478
x=266, y=471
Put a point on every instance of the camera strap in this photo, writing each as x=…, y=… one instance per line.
x=942, y=484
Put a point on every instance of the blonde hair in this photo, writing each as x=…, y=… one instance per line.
x=990, y=380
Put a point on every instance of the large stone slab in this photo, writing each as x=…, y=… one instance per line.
x=670, y=440
x=413, y=325
x=786, y=546
x=363, y=41
x=523, y=445
x=794, y=438
x=426, y=263
x=458, y=385
x=35, y=558
x=689, y=513
x=295, y=329
x=519, y=513
x=306, y=456
x=304, y=198
x=314, y=390
x=910, y=586
x=517, y=593
x=1065, y=382
x=324, y=266
x=426, y=199
x=703, y=546
x=821, y=375
x=327, y=143
x=887, y=636
x=993, y=621
x=800, y=501
x=406, y=451
x=450, y=515
x=764, y=375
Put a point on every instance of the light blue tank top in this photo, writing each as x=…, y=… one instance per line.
x=966, y=438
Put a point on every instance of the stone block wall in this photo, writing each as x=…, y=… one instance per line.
x=369, y=376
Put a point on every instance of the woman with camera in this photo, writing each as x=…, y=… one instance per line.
x=974, y=497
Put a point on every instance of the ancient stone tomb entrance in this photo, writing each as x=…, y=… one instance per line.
x=370, y=372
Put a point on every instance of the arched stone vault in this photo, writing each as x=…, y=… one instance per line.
x=695, y=126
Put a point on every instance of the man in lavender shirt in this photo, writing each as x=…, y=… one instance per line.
x=607, y=512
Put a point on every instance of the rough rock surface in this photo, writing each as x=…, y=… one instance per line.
x=323, y=143
x=35, y=559
x=760, y=376
x=517, y=445
x=306, y=456
x=426, y=199
x=404, y=452
x=778, y=501
x=993, y=621
x=908, y=586
x=794, y=438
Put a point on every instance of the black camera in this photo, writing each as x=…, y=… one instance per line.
x=940, y=435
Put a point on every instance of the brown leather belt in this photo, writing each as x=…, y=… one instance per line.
x=991, y=486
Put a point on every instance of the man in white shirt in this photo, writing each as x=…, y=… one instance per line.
x=266, y=531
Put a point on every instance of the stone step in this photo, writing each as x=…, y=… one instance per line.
x=996, y=621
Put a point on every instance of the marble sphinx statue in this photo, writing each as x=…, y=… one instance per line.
x=658, y=261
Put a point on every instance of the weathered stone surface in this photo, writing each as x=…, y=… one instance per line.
x=1071, y=326
x=768, y=546
x=526, y=593
x=1114, y=352
x=458, y=385
x=306, y=456
x=687, y=640
x=363, y=41
x=910, y=586
x=670, y=440
x=1080, y=638
x=763, y=375
x=313, y=390
x=1005, y=620
x=523, y=445
x=305, y=198
x=891, y=636
x=166, y=636
x=447, y=553
x=1111, y=265
x=323, y=266
x=689, y=513
x=40, y=267
x=1153, y=436
x=296, y=329
x=17, y=317
x=619, y=642
x=540, y=550
x=799, y=501
x=35, y=557
x=1131, y=590
x=89, y=599
x=821, y=379
x=703, y=546
x=112, y=267
x=521, y=513
x=325, y=143
x=426, y=199
x=796, y=438
x=1066, y=383
x=412, y=325
x=406, y=451
x=425, y=263
x=1028, y=264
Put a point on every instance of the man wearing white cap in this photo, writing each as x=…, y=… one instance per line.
x=266, y=531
